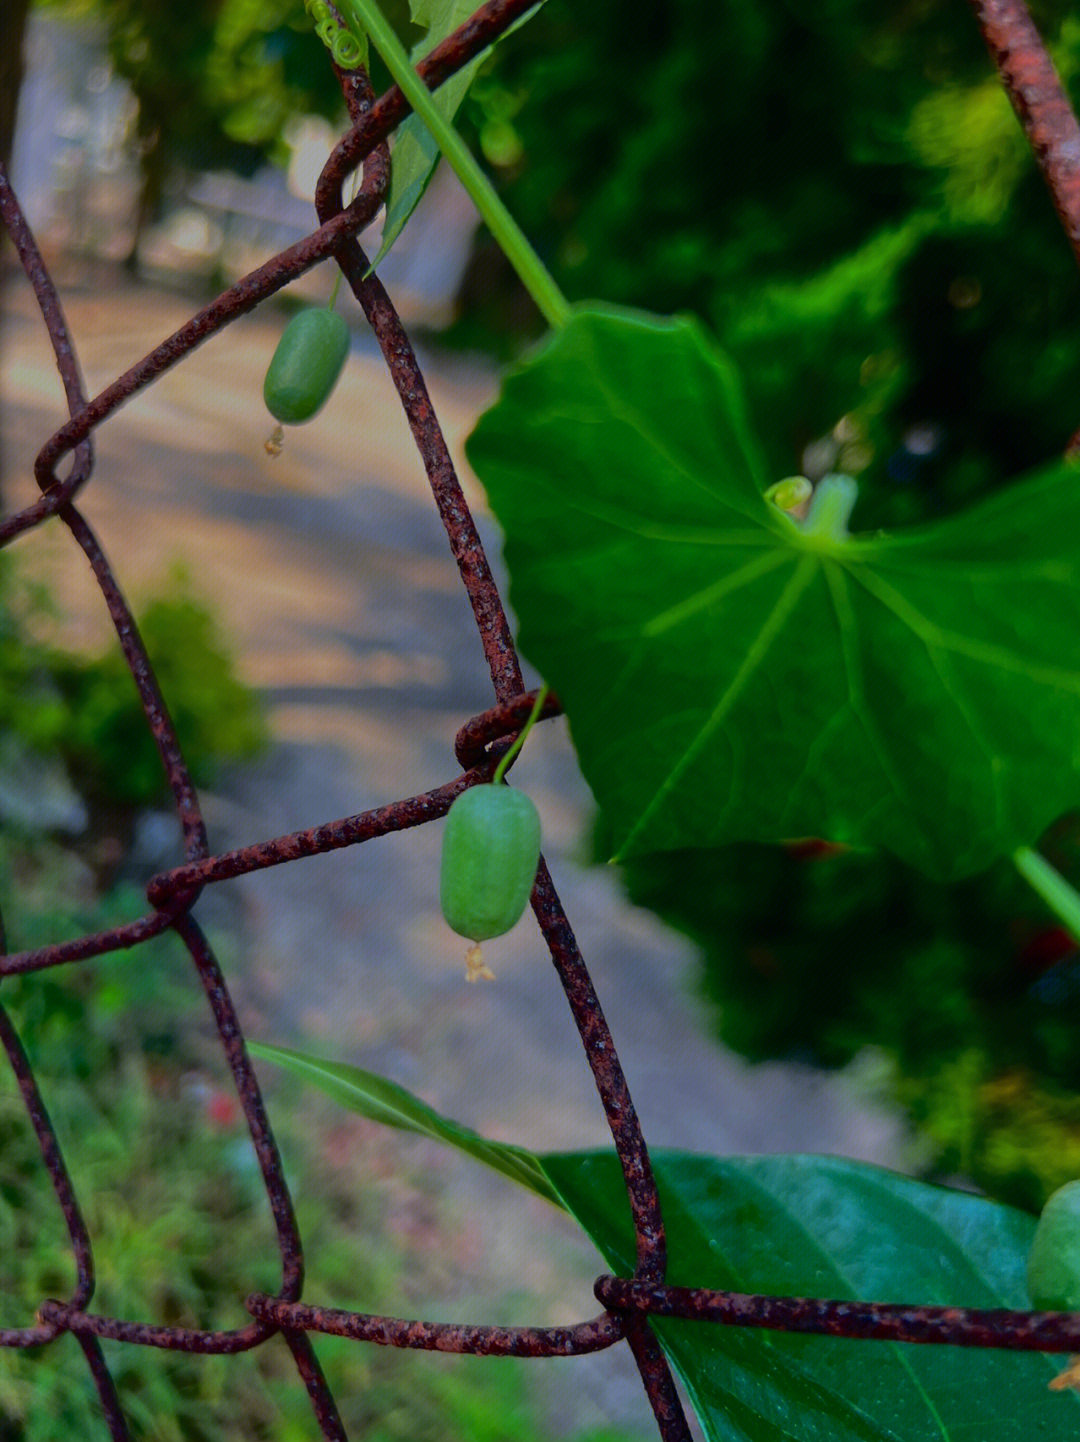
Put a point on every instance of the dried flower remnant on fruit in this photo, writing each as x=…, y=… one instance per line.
x=476, y=968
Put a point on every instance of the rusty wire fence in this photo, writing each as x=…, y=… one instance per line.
x=1055, y=137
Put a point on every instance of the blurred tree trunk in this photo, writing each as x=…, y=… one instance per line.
x=13, y=14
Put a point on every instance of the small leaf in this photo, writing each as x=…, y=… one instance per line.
x=384, y=1101
x=415, y=150
x=728, y=676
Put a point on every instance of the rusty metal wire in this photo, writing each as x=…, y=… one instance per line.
x=1040, y=102
x=480, y=742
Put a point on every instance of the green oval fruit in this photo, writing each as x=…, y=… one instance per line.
x=491, y=848
x=1053, y=1270
x=306, y=365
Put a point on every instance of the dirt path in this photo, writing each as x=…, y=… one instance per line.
x=331, y=572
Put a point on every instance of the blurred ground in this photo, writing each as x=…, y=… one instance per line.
x=330, y=570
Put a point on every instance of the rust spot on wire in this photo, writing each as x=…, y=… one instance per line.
x=247, y=1087
x=607, y=1073
x=66, y=361
x=106, y=1389
x=316, y=840
x=593, y=1336
x=98, y=943
x=153, y=703
x=658, y=1383
x=145, y=1334
x=61, y=1180
x=874, y=1321
x=506, y=720
x=319, y=1394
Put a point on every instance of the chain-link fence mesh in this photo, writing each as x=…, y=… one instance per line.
x=172, y=895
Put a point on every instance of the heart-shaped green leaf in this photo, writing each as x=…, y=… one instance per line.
x=729, y=677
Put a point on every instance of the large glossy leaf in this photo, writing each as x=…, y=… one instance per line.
x=825, y=1227
x=800, y=1227
x=727, y=677
x=415, y=151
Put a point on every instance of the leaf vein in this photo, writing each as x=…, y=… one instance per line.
x=805, y=571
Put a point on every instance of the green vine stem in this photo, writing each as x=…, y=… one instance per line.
x=538, y=706
x=1059, y=896
x=534, y=275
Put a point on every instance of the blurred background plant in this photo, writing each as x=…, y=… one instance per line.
x=78, y=757
x=960, y=1002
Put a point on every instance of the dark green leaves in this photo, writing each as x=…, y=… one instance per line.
x=825, y=1227
x=799, y=1227
x=726, y=677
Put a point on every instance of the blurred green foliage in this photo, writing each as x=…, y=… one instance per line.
x=841, y=191
x=970, y=992
x=84, y=709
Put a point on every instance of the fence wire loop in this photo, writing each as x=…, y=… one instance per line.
x=479, y=744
